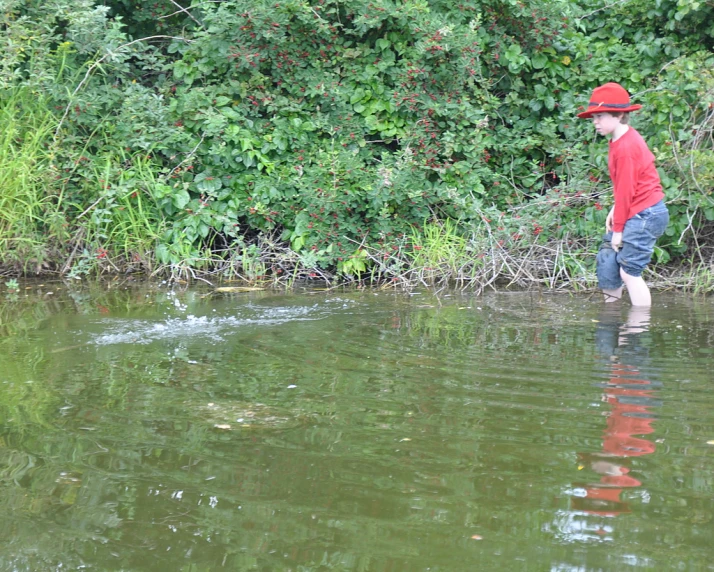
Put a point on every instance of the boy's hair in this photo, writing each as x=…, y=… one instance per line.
x=624, y=117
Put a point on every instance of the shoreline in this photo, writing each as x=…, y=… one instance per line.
x=503, y=271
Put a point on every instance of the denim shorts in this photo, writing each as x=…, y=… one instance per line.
x=638, y=241
x=608, y=270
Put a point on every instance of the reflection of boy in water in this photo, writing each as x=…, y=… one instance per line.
x=631, y=398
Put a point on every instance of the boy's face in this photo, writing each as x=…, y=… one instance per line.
x=605, y=123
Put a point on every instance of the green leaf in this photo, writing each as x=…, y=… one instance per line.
x=358, y=95
x=513, y=51
x=230, y=113
x=209, y=184
x=162, y=253
x=539, y=61
x=280, y=142
x=298, y=242
x=383, y=44
x=181, y=199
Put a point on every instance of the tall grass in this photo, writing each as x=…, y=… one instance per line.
x=123, y=221
x=102, y=214
x=30, y=206
x=438, y=252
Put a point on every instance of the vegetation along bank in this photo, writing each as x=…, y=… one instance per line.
x=406, y=142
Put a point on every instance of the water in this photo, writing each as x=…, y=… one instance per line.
x=145, y=428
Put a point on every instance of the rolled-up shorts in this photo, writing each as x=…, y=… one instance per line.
x=607, y=269
x=638, y=241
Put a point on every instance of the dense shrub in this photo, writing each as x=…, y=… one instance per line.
x=340, y=125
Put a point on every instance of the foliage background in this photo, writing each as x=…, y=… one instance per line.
x=412, y=140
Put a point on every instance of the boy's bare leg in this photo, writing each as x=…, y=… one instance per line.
x=612, y=295
x=637, y=289
x=638, y=321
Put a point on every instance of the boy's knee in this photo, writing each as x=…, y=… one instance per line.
x=627, y=277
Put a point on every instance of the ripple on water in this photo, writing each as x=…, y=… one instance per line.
x=213, y=327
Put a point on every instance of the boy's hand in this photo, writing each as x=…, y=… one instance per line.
x=616, y=241
x=608, y=220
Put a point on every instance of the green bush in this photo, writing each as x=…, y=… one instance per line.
x=179, y=137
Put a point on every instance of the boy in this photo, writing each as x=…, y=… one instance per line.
x=639, y=216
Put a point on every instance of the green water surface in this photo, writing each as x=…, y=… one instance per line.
x=162, y=428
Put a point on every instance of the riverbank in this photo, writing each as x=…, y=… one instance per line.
x=439, y=260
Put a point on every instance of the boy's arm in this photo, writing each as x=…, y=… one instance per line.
x=624, y=181
x=616, y=240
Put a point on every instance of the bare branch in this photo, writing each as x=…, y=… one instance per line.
x=188, y=156
x=182, y=9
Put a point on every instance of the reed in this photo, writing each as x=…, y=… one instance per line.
x=118, y=219
x=438, y=252
x=131, y=220
x=30, y=201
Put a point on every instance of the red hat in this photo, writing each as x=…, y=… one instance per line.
x=611, y=98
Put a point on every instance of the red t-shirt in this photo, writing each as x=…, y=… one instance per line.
x=633, y=173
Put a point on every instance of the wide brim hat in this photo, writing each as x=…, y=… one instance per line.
x=609, y=98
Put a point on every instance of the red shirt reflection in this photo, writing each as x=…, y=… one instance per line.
x=630, y=417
